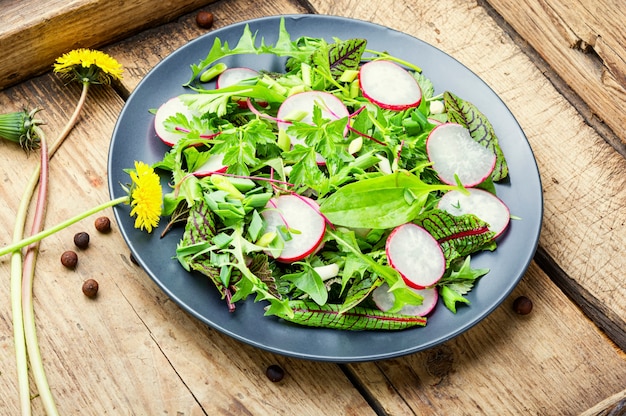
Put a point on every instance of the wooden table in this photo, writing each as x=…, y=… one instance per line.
x=133, y=351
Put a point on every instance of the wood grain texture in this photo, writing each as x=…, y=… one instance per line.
x=506, y=365
x=582, y=176
x=584, y=42
x=133, y=351
x=34, y=33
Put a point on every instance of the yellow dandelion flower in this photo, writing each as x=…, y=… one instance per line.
x=146, y=197
x=88, y=66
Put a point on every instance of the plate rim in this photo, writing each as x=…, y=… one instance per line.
x=119, y=212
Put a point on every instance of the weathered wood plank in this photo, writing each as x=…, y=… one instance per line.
x=583, y=177
x=131, y=350
x=34, y=33
x=611, y=406
x=547, y=362
x=584, y=42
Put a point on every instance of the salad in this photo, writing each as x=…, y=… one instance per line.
x=340, y=191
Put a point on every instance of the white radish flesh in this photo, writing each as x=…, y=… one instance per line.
x=453, y=151
x=303, y=103
x=234, y=76
x=384, y=300
x=301, y=215
x=389, y=86
x=481, y=203
x=416, y=255
x=170, y=108
x=214, y=164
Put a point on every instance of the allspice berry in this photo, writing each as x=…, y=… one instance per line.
x=522, y=305
x=69, y=259
x=204, y=19
x=103, y=224
x=81, y=240
x=90, y=288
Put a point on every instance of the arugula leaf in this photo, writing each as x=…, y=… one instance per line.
x=310, y=282
x=247, y=45
x=458, y=282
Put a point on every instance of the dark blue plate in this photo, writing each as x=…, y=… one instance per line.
x=134, y=139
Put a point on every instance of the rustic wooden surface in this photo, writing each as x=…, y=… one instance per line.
x=34, y=33
x=585, y=43
x=132, y=351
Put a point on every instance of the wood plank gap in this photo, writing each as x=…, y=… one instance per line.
x=357, y=382
x=604, y=318
x=305, y=4
x=559, y=84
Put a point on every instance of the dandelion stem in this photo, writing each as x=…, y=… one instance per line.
x=58, y=227
x=22, y=275
x=28, y=275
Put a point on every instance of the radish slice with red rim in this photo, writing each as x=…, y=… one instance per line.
x=416, y=255
x=302, y=104
x=214, y=164
x=302, y=216
x=485, y=205
x=170, y=108
x=453, y=151
x=384, y=300
x=389, y=86
x=234, y=76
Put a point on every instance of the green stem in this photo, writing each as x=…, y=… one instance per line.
x=383, y=55
x=48, y=232
x=24, y=328
x=28, y=275
x=28, y=272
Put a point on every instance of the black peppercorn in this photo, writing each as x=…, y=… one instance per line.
x=275, y=373
x=81, y=240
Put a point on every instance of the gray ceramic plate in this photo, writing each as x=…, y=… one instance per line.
x=134, y=139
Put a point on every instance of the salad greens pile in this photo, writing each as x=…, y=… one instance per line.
x=375, y=176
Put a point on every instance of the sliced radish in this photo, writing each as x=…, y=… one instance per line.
x=170, y=108
x=233, y=76
x=413, y=252
x=214, y=164
x=481, y=203
x=301, y=215
x=389, y=86
x=452, y=150
x=302, y=104
x=384, y=300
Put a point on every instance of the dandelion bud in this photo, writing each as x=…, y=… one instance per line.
x=21, y=127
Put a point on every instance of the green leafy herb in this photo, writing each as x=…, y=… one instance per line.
x=459, y=282
x=356, y=319
x=385, y=201
x=467, y=114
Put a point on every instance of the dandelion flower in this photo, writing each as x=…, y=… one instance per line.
x=88, y=66
x=146, y=197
